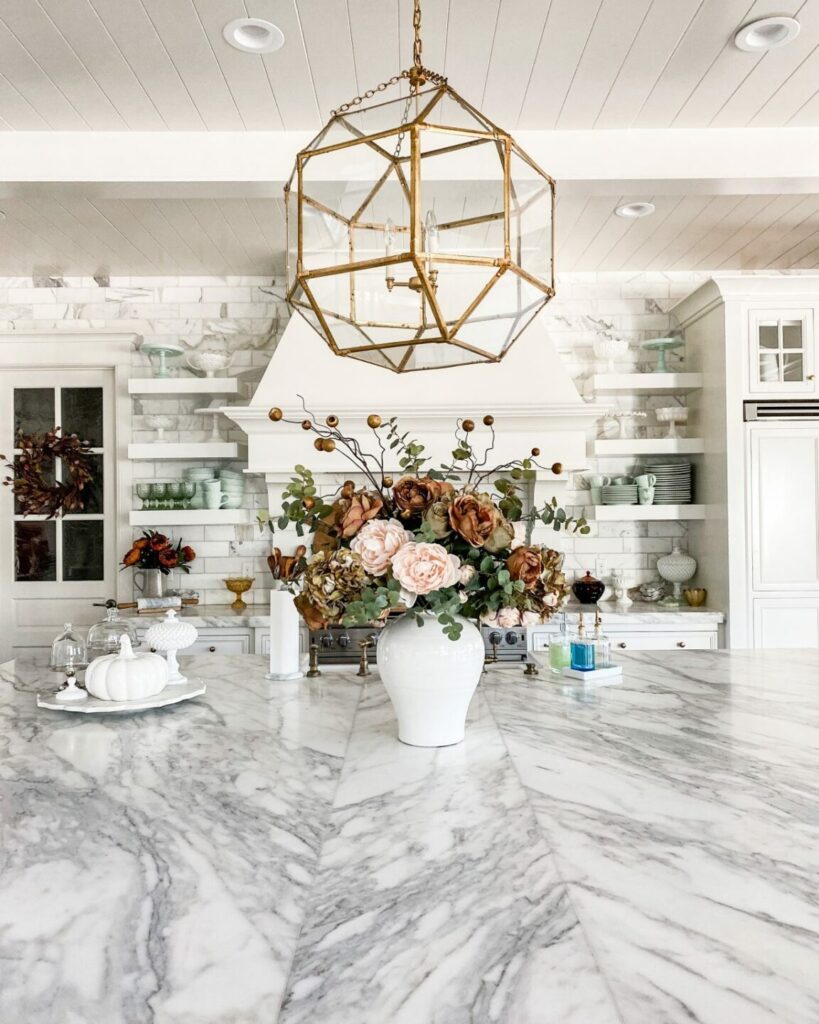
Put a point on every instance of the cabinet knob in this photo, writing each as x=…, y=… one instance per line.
x=153, y=650
x=681, y=643
x=212, y=650
x=622, y=644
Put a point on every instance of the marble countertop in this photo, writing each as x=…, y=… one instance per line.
x=639, y=613
x=644, y=853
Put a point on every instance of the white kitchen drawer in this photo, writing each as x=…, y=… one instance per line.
x=701, y=641
x=217, y=642
x=262, y=644
x=655, y=640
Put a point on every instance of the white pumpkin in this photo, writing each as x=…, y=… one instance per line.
x=126, y=676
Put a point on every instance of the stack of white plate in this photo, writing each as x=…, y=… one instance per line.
x=673, y=485
x=620, y=494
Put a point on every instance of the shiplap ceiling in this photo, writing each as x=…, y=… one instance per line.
x=79, y=235
x=163, y=64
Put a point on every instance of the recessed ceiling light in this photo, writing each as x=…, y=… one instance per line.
x=766, y=34
x=633, y=210
x=253, y=35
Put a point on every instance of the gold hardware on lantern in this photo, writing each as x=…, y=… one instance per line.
x=402, y=266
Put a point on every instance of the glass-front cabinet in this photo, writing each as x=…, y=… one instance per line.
x=48, y=565
x=781, y=353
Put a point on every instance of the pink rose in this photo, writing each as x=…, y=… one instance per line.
x=489, y=618
x=529, y=618
x=508, y=617
x=422, y=568
x=520, y=535
x=466, y=573
x=377, y=542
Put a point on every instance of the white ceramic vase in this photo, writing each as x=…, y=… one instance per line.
x=430, y=679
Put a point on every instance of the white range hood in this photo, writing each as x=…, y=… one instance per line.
x=530, y=394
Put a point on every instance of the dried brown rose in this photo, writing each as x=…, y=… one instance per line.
x=413, y=495
x=525, y=564
x=356, y=511
x=475, y=517
x=437, y=517
x=501, y=537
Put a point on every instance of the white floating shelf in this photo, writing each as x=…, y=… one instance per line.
x=649, y=446
x=158, y=451
x=168, y=387
x=645, y=383
x=630, y=513
x=193, y=517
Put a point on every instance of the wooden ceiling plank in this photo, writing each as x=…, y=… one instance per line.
x=469, y=46
x=86, y=34
x=187, y=44
x=33, y=83
x=621, y=256
x=139, y=43
x=790, y=227
x=717, y=208
x=288, y=69
x=561, y=47
x=168, y=239
x=54, y=55
x=726, y=74
x=738, y=227
x=326, y=29
x=677, y=221
x=374, y=34
x=771, y=74
x=608, y=45
x=658, y=37
x=124, y=249
x=182, y=220
x=584, y=230
x=513, y=58
x=715, y=21
x=245, y=74
x=30, y=214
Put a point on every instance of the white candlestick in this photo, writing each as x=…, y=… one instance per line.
x=285, y=661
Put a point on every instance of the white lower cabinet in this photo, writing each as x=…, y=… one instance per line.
x=238, y=641
x=786, y=621
x=635, y=639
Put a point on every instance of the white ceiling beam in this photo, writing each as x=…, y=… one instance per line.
x=682, y=161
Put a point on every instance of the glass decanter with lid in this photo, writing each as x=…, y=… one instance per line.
x=602, y=644
x=68, y=655
x=106, y=636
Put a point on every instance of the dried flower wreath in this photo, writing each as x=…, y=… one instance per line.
x=32, y=473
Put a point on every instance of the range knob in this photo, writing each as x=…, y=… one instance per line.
x=511, y=638
x=344, y=640
x=373, y=638
x=326, y=639
x=495, y=637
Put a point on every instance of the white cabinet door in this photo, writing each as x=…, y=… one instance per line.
x=786, y=622
x=784, y=507
x=781, y=357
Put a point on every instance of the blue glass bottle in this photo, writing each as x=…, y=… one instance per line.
x=582, y=649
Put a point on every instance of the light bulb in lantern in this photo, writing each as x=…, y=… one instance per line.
x=389, y=242
x=431, y=229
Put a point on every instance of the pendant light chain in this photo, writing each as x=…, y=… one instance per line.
x=417, y=45
x=417, y=75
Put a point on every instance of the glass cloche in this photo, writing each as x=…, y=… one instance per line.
x=106, y=636
x=68, y=655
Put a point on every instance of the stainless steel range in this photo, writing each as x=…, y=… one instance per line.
x=341, y=645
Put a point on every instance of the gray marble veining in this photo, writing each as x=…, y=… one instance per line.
x=645, y=853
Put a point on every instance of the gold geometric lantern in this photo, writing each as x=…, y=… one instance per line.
x=420, y=235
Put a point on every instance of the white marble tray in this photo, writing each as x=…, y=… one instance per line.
x=95, y=706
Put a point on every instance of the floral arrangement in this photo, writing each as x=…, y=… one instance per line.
x=154, y=550
x=451, y=541
x=33, y=479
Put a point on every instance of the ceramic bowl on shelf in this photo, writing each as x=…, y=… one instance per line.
x=611, y=350
x=695, y=596
x=209, y=361
x=672, y=415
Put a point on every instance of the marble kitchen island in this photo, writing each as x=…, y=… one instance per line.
x=640, y=853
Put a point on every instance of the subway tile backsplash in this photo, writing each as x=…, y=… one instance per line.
x=249, y=314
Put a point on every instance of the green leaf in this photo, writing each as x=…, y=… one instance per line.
x=487, y=563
